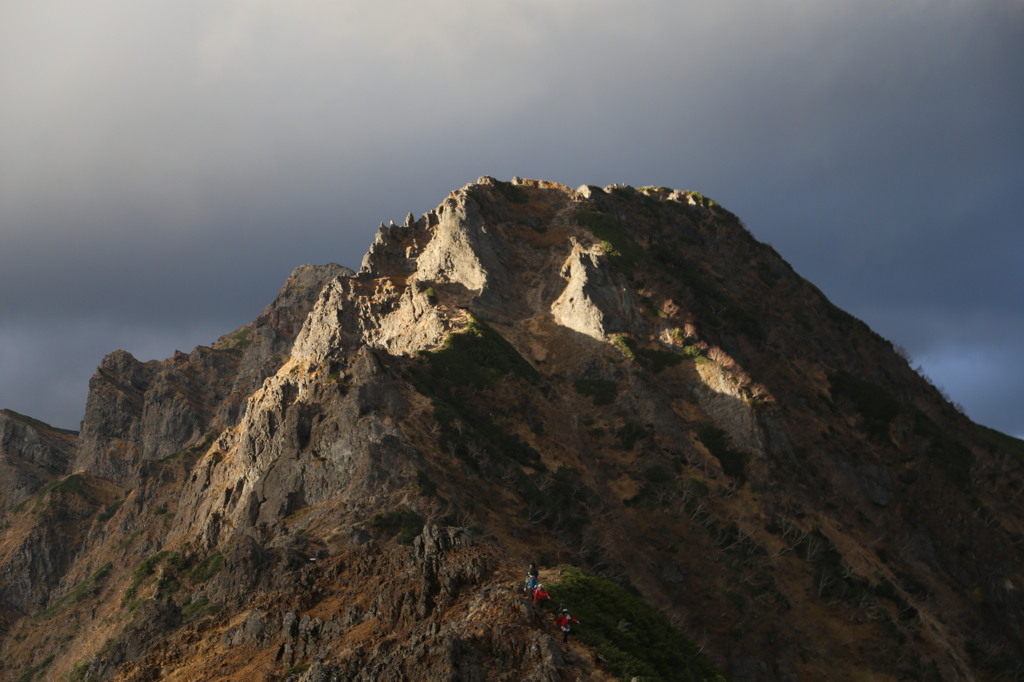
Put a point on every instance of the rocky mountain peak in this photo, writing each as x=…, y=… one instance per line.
x=719, y=471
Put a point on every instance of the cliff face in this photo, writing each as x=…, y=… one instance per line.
x=624, y=380
x=139, y=412
x=31, y=455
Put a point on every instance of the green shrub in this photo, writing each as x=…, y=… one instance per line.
x=402, y=524
x=30, y=674
x=194, y=609
x=242, y=338
x=80, y=672
x=294, y=670
x=86, y=588
x=207, y=568
x=478, y=356
x=695, y=354
x=626, y=346
x=623, y=252
x=655, y=359
x=141, y=572
x=70, y=485
x=634, y=638
x=109, y=511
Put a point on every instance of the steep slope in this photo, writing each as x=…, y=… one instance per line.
x=624, y=380
x=31, y=455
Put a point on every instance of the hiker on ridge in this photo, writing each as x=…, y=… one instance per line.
x=535, y=603
x=565, y=621
x=532, y=578
x=540, y=595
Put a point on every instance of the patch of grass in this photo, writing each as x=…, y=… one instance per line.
x=655, y=359
x=194, y=609
x=652, y=359
x=139, y=575
x=431, y=295
x=624, y=253
x=478, y=356
x=179, y=562
x=457, y=377
x=109, y=511
x=69, y=485
x=625, y=345
x=31, y=673
x=80, y=672
x=695, y=354
x=242, y=338
x=601, y=391
x=295, y=670
x=402, y=524
x=634, y=638
x=191, y=451
x=514, y=193
x=207, y=568
x=86, y=588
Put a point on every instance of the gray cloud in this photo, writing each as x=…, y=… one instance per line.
x=164, y=165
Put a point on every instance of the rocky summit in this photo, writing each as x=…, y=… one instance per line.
x=719, y=473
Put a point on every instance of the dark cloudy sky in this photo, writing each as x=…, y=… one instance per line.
x=164, y=165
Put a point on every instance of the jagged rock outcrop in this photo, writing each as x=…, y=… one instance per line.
x=138, y=412
x=620, y=379
x=31, y=455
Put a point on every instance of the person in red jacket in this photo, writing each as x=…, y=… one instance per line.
x=565, y=621
x=535, y=603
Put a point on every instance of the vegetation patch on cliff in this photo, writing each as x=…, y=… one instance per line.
x=623, y=252
x=478, y=356
x=636, y=640
x=402, y=524
x=88, y=588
